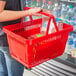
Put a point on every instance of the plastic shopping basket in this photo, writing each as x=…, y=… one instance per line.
x=36, y=51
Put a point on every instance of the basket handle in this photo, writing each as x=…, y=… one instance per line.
x=48, y=25
x=46, y=14
x=25, y=8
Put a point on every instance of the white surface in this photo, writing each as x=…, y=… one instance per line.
x=28, y=73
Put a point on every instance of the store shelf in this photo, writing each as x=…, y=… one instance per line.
x=69, y=1
x=73, y=32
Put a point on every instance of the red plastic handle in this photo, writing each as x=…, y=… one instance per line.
x=26, y=8
x=46, y=14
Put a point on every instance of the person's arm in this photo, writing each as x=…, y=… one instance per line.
x=6, y=15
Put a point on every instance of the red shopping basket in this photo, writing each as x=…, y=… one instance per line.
x=35, y=51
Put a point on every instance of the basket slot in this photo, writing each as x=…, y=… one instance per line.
x=28, y=33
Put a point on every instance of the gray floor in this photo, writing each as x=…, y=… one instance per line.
x=51, y=68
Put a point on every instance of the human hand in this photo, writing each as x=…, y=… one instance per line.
x=47, y=11
x=35, y=11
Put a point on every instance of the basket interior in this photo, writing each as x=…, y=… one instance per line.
x=30, y=28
